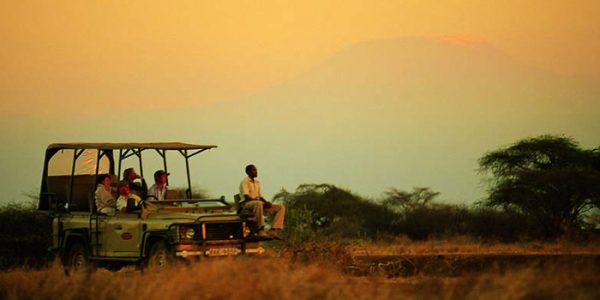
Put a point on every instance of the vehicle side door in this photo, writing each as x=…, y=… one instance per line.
x=121, y=235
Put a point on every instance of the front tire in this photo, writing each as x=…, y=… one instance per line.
x=77, y=259
x=161, y=257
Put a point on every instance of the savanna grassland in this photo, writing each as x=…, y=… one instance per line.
x=330, y=261
x=331, y=271
x=536, y=237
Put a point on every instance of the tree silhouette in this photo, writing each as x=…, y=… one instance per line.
x=336, y=211
x=548, y=177
x=403, y=200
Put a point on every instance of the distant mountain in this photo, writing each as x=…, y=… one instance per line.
x=408, y=112
x=429, y=77
x=388, y=113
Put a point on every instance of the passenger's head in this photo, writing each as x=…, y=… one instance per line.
x=123, y=188
x=104, y=179
x=129, y=174
x=160, y=177
x=251, y=171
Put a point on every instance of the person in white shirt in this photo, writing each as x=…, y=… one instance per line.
x=105, y=202
x=159, y=188
x=124, y=196
x=254, y=201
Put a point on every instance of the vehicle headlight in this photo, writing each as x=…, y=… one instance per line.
x=186, y=232
x=189, y=234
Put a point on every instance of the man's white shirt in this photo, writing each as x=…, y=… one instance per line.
x=160, y=195
x=250, y=187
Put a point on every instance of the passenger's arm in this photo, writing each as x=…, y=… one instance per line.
x=245, y=191
x=260, y=196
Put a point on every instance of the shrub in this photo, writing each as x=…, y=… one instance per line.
x=336, y=212
x=25, y=236
x=506, y=225
x=437, y=220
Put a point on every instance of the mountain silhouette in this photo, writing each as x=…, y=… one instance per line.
x=407, y=112
x=386, y=113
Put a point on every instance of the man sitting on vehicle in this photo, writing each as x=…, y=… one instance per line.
x=254, y=201
x=129, y=176
x=159, y=189
x=124, y=196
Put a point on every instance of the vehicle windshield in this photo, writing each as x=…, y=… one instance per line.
x=190, y=203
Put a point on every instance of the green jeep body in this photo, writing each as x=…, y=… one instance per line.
x=154, y=234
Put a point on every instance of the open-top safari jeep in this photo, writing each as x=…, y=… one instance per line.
x=155, y=234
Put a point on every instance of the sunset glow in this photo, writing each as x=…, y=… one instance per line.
x=428, y=86
x=118, y=54
x=463, y=40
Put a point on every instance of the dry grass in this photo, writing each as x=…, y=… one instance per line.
x=241, y=278
x=402, y=246
x=280, y=278
x=556, y=281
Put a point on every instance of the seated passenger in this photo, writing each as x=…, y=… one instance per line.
x=159, y=188
x=254, y=201
x=124, y=196
x=129, y=176
x=105, y=202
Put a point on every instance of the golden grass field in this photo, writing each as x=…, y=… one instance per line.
x=321, y=272
x=467, y=246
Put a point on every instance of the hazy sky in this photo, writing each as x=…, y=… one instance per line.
x=106, y=70
x=143, y=52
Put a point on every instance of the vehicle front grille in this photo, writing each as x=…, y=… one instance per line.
x=224, y=231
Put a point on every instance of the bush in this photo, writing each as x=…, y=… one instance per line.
x=334, y=212
x=436, y=220
x=25, y=236
x=447, y=221
x=505, y=225
x=327, y=212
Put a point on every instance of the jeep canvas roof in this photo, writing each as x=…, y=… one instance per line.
x=125, y=146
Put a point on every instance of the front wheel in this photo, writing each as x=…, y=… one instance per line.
x=161, y=257
x=77, y=259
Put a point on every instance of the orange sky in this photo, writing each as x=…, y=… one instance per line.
x=143, y=52
x=64, y=59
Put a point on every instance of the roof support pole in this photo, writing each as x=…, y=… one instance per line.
x=76, y=154
x=163, y=154
x=72, y=174
x=120, y=159
x=98, y=165
x=91, y=205
x=164, y=157
x=187, y=171
x=139, y=155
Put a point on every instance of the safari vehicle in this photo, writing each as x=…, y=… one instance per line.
x=153, y=235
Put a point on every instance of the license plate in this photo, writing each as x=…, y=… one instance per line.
x=223, y=251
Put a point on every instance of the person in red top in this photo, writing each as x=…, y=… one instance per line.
x=124, y=196
x=129, y=176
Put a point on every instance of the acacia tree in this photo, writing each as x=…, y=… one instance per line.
x=548, y=177
x=403, y=200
